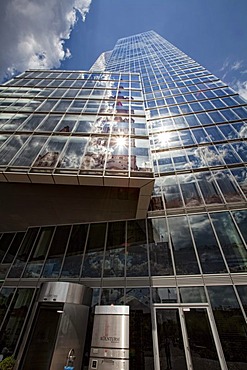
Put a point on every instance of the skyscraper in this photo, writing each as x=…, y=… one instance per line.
x=84, y=154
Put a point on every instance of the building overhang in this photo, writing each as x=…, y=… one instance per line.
x=44, y=199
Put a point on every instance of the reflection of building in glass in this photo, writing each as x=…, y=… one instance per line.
x=78, y=151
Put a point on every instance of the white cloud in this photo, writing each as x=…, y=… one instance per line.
x=241, y=88
x=32, y=32
x=225, y=65
x=229, y=67
x=236, y=65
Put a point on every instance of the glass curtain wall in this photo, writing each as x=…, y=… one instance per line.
x=191, y=249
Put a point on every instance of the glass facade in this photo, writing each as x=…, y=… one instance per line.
x=74, y=123
x=182, y=269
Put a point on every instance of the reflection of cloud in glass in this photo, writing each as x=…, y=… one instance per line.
x=240, y=216
x=71, y=160
x=186, y=178
x=241, y=177
x=219, y=175
x=199, y=223
x=208, y=156
x=243, y=131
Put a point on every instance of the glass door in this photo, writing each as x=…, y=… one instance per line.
x=185, y=339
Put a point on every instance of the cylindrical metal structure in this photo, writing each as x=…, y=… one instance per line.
x=58, y=327
x=110, y=340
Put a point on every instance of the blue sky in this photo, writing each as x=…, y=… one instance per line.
x=213, y=32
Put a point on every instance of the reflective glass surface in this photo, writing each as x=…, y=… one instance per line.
x=171, y=347
x=206, y=244
x=184, y=253
x=74, y=254
x=115, y=250
x=231, y=325
x=231, y=243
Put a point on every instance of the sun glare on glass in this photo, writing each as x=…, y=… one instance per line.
x=121, y=141
x=164, y=138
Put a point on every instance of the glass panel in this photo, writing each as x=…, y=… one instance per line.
x=118, y=154
x=179, y=122
x=57, y=249
x=228, y=186
x=202, y=346
x=159, y=250
x=23, y=253
x=3, y=138
x=242, y=291
x=66, y=124
x=73, y=153
x=14, y=123
x=228, y=154
x=141, y=346
x=164, y=163
x=208, y=188
x=171, y=347
x=241, y=128
x=49, y=123
x=200, y=135
x=49, y=154
x=156, y=203
x=136, y=249
x=206, y=244
x=93, y=259
x=241, y=149
x=113, y=296
x=38, y=254
x=4, y=268
x=27, y=155
x=184, y=254
x=140, y=155
x=190, y=191
x=115, y=250
x=171, y=191
x=32, y=123
x=73, y=259
x=13, y=247
x=62, y=106
x=231, y=326
x=228, y=131
x=47, y=105
x=180, y=160
x=208, y=156
x=164, y=295
x=240, y=175
x=186, y=137
x=233, y=248
x=96, y=151
x=11, y=148
x=214, y=134
x=15, y=319
x=5, y=242
x=241, y=219
x=84, y=126
x=194, y=294
x=6, y=295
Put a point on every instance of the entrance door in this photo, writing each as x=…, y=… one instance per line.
x=41, y=343
x=185, y=339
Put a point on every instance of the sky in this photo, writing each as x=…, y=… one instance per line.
x=71, y=34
